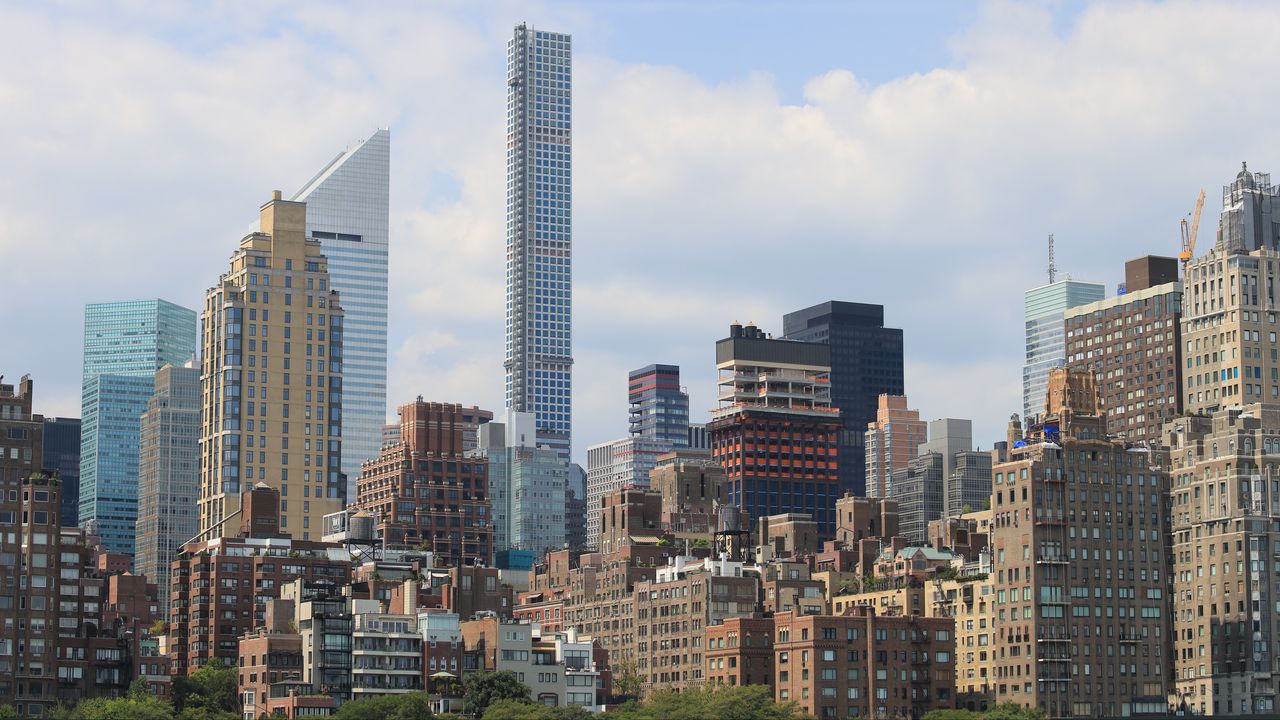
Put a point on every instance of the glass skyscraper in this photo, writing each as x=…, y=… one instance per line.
x=539, y=350
x=347, y=211
x=659, y=405
x=1046, y=337
x=125, y=343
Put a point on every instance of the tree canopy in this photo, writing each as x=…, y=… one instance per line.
x=525, y=710
x=482, y=689
x=748, y=702
x=213, y=687
x=404, y=706
x=1003, y=711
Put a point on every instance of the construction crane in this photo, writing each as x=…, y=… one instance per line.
x=1189, y=230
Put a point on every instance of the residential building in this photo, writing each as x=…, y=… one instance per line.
x=787, y=535
x=776, y=432
x=575, y=507
x=271, y=378
x=1225, y=520
x=560, y=669
x=348, y=206
x=125, y=343
x=539, y=353
x=168, y=474
x=739, y=651
x=1078, y=531
x=692, y=491
x=920, y=491
x=62, y=456
x=1046, y=347
x=1132, y=345
x=673, y=611
x=969, y=600
x=322, y=613
x=659, y=405
x=615, y=465
x=386, y=652
x=527, y=486
x=270, y=667
x=426, y=489
x=892, y=440
x=698, y=439
x=969, y=484
x=219, y=587
x=863, y=664
x=865, y=362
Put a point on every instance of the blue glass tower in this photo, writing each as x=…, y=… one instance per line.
x=125, y=343
x=539, y=349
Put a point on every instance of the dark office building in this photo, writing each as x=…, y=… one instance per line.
x=659, y=406
x=62, y=455
x=866, y=361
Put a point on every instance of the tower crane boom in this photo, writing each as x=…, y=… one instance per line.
x=1189, y=230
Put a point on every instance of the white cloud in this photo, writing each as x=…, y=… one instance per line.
x=139, y=143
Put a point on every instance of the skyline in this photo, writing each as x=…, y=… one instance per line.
x=732, y=158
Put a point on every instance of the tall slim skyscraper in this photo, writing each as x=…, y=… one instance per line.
x=866, y=362
x=1046, y=335
x=892, y=441
x=168, y=473
x=347, y=211
x=62, y=455
x=271, y=379
x=539, y=352
x=659, y=406
x=125, y=343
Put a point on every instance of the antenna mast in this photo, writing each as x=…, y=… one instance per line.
x=1053, y=267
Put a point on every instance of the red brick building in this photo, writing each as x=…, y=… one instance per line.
x=739, y=651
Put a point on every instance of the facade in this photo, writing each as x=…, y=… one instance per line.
x=739, y=651
x=892, y=440
x=168, y=474
x=865, y=361
x=862, y=664
x=692, y=492
x=125, y=343
x=921, y=494
x=219, y=588
x=1078, y=531
x=1043, y=309
x=386, y=653
x=776, y=432
x=271, y=378
x=969, y=485
x=1251, y=211
x=527, y=486
x=62, y=456
x=659, y=405
x=425, y=489
x=1132, y=344
x=1226, y=511
x=575, y=508
x=558, y=667
x=698, y=437
x=969, y=599
x=615, y=465
x=347, y=211
x=539, y=338
x=323, y=615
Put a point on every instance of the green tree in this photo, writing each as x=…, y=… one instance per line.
x=519, y=710
x=1013, y=711
x=404, y=706
x=943, y=714
x=120, y=709
x=7, y=712
x=204, y=712
x=481, y=689
x=627, y=683
x=214, y=686
x=748, y=702
x=139, y=689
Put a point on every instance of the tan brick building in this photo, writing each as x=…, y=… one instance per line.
x=739, y=651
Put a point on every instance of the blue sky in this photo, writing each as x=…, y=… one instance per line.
x=733, y=161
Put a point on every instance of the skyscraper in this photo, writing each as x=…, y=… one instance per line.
x=168, y=474
x=125, y=343
x=614, y=465
x=1046, y=337
x=1250, y=217
x=527, y=486
x=62, y=455
x=866, y=362
x=539, y=352
x=659, y=406
x=891, y=442
x=347, y=211
x=271, y=379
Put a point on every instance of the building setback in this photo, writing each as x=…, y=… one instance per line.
x=271, y=379
x=775, y=431
x=1132, y=345
x=539, y=352
x=1080, y=565
x=865, y=362
x=125, y=343
x=614, y=465
x=659, y=406
x=348, y=213
x=168, y=474
x=892, y=440
x=423, y=489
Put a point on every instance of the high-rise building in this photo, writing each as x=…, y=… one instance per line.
x=1250, y=217
x=422, y=489
x=575, y=507
x=168, y=474
x=866, y=362
x=659, y=405
x=62, y=455
x=776, y=433
x=527, y=486
x=271, y=379
x=892, y=440
x=1046, y=346
x=1071, y=508
x=1132, y=345
x=614, y=465
x=539, y=353
x=347, y=211
x=1226, y=530
x=920, y=490
x=968, y=486
x=125, y=343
